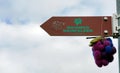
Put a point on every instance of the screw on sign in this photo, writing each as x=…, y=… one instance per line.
x=103, y=51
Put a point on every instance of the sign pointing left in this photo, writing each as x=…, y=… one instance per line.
x=78, y=26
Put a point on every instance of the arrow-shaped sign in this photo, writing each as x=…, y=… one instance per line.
x=78, y=26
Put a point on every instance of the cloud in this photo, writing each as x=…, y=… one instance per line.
x=29, y=49
x=25, y=11
x=32, y=10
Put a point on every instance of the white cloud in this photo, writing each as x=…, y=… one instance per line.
x=25, y=11
x=31, y=50
x=34, y=10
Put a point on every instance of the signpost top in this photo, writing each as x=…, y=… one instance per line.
x=78, y=26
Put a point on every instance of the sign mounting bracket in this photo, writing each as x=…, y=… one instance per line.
x=115, y=26
x=118, y=16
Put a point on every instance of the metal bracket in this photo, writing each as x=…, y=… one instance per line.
x=115, y=27
x=118, y=16
x=118, y=28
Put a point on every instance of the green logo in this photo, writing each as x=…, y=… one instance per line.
x=78, y=21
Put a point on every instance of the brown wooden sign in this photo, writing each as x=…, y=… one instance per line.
x=78, y=26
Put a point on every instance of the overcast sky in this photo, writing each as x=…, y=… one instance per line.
x=26, y=48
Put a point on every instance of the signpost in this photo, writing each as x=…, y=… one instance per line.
x=78, y=26
x=118, y=12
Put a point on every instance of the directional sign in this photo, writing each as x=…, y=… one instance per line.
x=78, y=26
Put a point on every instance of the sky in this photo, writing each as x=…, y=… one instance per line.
x=27, y=48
